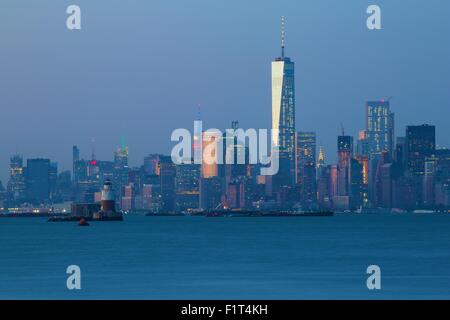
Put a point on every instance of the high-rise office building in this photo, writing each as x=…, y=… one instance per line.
x=442, y=179
x=187, y=186
x=53, y=178
x=283, y=116
x=305, y=152
x=420, y=142
x=379, y=127
x=212, y=152
x=345, y=153
x=16, y=185
x=38, y=180
x=362, y=145
x=305, y=167
x=75, y=159
x=167, y=178
x=379, y=138
x=211, y=193
x=151, y=164
x=151, y=193
x=120, y=170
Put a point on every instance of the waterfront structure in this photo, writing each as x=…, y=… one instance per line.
x=108, y=199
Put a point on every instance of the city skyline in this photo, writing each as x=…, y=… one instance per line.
x=278, y=150
x=62, y=112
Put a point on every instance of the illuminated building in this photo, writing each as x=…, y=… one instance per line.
x=362, y=145
x=16, y=186
x=283, y=116
x=379, y=127
x=211, y=153
x=120, y=169
x=187, y=186
x=345, y=153
x=305, y=167
x=151, y=164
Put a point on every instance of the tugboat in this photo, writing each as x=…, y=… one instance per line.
x=83, y=223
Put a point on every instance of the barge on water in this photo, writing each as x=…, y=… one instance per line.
x=257, y=214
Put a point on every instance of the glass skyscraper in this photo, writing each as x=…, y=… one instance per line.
x=380, y=127
x=283, y=115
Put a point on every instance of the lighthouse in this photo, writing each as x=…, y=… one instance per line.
x=108, y=203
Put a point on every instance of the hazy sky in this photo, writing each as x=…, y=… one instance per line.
x=138, y=70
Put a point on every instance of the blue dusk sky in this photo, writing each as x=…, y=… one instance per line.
x=139, y=69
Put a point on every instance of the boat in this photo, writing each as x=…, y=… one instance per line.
x=83, y=223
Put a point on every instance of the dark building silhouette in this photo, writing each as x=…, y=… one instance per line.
x=167, y=182
x=420, y=143
x=38, y=180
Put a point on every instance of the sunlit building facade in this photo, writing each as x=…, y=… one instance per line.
x=283, y=116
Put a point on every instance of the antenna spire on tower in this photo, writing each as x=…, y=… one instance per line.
x=283, y=35
x=199, y=112
x=93, y=149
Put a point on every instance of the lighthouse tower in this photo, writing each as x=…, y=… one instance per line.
x=108, y=203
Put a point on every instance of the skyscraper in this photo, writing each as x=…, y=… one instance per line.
x=305, y=152
x=38, y=180
x=420, y=143
x=379, y=127
x=75, y=159
x=151, y=164
x=16, y=184
x=167, y=178
x=345, y=153
x=283, y=115
x=211, y=143
x=120, y=170
x=305, y=166
x=187, y=186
